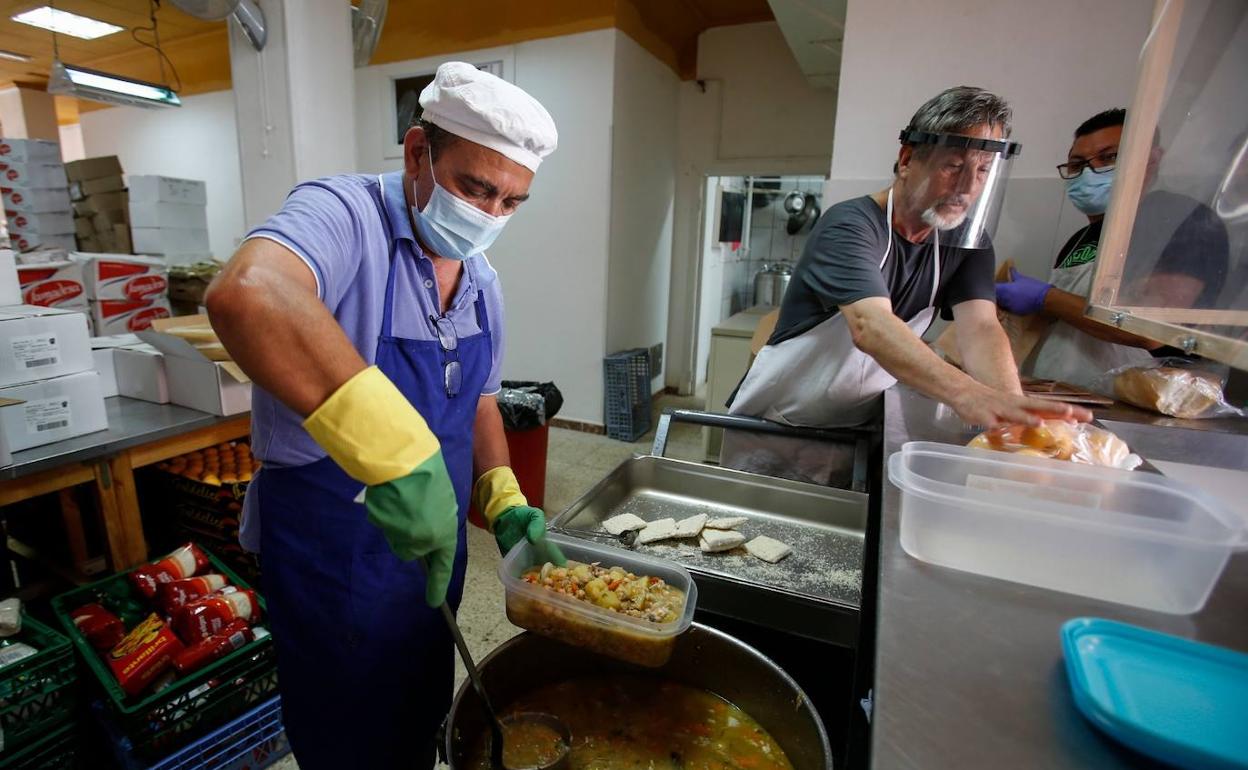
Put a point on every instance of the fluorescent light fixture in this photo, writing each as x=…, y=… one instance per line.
x=14, y=56
x=66, y=23
x=99, y=86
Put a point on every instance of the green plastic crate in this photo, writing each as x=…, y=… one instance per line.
x=55, y=751
x=161, y=723
x=38, y=692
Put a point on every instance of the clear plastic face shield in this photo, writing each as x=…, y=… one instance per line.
x=963, y=185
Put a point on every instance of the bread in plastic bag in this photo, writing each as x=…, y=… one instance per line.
x=1191, y=390
x=1058, y=440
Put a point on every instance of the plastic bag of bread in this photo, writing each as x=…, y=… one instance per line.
x=1172, y=386
x=1058, y=440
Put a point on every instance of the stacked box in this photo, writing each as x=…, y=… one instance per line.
x=126, y=292
x=35, y=192
x=169, y=218
x=101, y=205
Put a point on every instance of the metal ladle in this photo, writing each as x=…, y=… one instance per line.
x=626, y=539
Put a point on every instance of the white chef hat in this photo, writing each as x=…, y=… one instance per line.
x=486, y=109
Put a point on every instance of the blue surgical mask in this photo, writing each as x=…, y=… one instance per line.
x=451, y=226
x=1090, y=190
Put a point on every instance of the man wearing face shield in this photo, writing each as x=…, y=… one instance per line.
x=1187, y=240
x=370, y=321
x=872, y=276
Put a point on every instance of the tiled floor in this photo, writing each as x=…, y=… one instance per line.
x=575, y=462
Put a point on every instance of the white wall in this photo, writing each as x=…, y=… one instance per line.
x=1058, y=63
x=643, y=181
x=195, y=141
x=72, y=147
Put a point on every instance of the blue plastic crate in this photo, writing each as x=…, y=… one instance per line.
x=252, y=741
x=626, y=387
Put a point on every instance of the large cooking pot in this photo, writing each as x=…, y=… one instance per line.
x=703, y=657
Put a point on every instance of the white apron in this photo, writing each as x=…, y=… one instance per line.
x=1069, y=355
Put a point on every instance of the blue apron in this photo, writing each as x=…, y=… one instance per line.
x=365, y=667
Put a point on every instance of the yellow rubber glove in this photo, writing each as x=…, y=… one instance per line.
x=372, y=431
x=498, y=497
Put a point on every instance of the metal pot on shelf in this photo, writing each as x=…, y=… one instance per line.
x=770, y=283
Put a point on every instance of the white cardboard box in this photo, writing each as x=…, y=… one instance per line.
x=53, y=284
x=165, y=214
x=49, y=222
x=155, y=189
x=10, y=289
x=37, y=200
x=31, y=241
x=30, y=150
x=37, y=343
x=102, y=351
x=119, y=316
x=168, y=240
x=123, y=276
x=32, y=174
x=38, y=413
x=195, y=381
x=141, y=373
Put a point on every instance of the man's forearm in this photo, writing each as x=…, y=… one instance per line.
x=1070, y=308
x=489, y=445
x=893, y=345
x=986, y=354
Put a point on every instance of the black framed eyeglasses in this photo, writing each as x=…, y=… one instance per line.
x=452, y=372
x=1101, y=164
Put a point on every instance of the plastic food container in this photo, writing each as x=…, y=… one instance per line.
x=580, y=623
x=1121, y=536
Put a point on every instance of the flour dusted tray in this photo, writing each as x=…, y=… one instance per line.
x=815, y=592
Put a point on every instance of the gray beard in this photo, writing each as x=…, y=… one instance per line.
x=934, y=219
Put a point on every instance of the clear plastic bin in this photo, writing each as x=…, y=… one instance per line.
x=577, y=622
x=1121, y=536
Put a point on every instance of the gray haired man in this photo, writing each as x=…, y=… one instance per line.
x=876, y=269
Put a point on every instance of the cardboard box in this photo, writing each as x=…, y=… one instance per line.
x=166, y=240
x=10, y=287
x=157, y=189
x=30, y=150
x=118, y=316
x=33, y=174
x=123, y=276
x=37, y=200
x=32, y=241
x=51, y=222
x=93, y=168
x=37, y=343
x=141, y=373
x=183, y=215
x=53, y=284
x=38, y=413
x=121, y=239
x=102, y=351
x=195, y=380
x=92, y=244
x=109, y=201
x=88, y=187
x=83, y=228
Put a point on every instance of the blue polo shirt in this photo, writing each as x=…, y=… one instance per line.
x=333, y=225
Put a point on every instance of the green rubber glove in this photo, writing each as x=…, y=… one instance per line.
x=497, y=496
x=372, y=431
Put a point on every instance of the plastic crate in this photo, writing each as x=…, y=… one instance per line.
x=38, y=692
x=162, y=723
x=626, y=383
x=252, y=741
x=57, y=750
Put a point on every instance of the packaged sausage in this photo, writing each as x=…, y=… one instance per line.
x=103, y=629
x=231, y=637
x=182, y=563
x=204, y=617
x=176, y=594
x=143, y=655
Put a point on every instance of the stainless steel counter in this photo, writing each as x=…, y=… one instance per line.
x=130, y=422
x=969, y=670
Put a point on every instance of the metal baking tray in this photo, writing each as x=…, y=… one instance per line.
x=815, y=592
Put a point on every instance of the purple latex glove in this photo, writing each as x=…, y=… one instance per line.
x=1023, y=295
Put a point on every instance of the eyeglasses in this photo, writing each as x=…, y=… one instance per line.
x=452, y=372
x=1100, y=164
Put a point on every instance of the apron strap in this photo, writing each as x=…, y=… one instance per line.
x=387, y=308
x=888, y=248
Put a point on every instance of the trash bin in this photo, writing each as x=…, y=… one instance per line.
x=527, y=408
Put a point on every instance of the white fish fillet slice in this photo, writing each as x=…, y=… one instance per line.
x=663, y=529
x=714, y=541
x=625, y=522
x=768, y=549
x=727, y=522
x=691, y=527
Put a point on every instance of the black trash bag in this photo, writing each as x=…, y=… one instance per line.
x=526, y=405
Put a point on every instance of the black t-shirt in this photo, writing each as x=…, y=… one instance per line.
x=1173, y=234
x=841, y=264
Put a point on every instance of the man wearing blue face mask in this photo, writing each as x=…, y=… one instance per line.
x=1191, y=254
x=369, y=320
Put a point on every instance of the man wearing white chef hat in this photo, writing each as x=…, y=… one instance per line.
x=371, y=323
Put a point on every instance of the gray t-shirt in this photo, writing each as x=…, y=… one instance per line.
x=841, y=264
